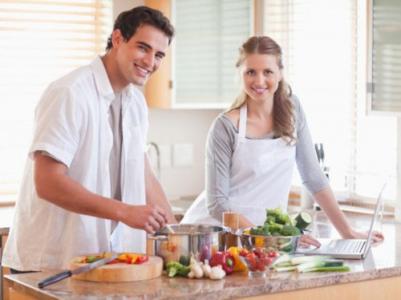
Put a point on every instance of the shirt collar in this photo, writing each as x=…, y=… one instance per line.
x=102, y=79
x=103, y=83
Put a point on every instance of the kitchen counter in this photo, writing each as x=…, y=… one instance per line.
x=376, y=277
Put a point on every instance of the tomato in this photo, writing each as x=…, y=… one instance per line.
x=141, y=259
x=258, y=252
x=251, y=260
x=273, y=254
x=114, y=261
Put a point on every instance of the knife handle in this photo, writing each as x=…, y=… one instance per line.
x=53, y=279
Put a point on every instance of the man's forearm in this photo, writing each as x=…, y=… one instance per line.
x=63, y=191
x=54, y=185
x=156, y=195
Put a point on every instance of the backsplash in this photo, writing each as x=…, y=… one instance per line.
x=180, y=135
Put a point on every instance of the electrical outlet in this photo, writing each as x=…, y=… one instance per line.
x=183, y=155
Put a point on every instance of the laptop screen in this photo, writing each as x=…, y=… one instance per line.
x=374, y=218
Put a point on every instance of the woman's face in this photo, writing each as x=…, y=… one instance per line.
x=260, y=76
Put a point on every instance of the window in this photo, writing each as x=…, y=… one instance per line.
x=385, y=24
x=322, y=44
x=209, y=34
x=39, y=42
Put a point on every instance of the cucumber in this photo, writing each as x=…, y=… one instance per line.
x=303, y=220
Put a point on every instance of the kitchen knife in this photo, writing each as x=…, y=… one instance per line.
x=65, y=274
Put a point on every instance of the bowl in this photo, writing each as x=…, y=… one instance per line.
x=258, y=261
x=287, y=244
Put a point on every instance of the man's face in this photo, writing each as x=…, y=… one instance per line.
x=141, y=55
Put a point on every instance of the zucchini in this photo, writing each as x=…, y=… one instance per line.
x=303, y=220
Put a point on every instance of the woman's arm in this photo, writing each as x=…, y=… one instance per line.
x=219, y=149
x=317, y=183
x=327, y=201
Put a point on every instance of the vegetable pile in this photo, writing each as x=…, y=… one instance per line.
x=222, y=263
x=304, y=264
x=197, y=269
x=279, y=223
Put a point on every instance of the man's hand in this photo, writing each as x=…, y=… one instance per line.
x=148, y=217
x=155, y=194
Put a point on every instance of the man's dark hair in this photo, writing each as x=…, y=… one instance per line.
x=129, y=21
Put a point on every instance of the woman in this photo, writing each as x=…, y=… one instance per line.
x=252, y=149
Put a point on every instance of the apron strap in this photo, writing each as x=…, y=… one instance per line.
x=241, y=125
x=242, y=121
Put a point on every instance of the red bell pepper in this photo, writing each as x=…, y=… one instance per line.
x=225, y=259
x=141, y=259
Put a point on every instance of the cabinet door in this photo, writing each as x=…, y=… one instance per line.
x=158, y=89
x=384, y=59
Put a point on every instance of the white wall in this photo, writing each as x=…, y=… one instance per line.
x=172, y=127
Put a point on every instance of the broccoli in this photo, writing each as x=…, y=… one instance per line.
x=277, y=216
x=275, y=212
x=277, y=223
x=270, y=219
x=289, y=230
x=266, y=230
x=175, y=268
x=259, y=230
x=283, y=219
x=273, y=228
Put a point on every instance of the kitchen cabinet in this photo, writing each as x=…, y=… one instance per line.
x=158, y=89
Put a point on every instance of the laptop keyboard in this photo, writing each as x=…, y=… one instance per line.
x=347, y=246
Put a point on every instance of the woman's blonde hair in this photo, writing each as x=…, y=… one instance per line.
x=283, y=115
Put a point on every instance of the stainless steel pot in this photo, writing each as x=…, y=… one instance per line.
x=179, y=242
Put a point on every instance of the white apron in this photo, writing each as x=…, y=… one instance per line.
x=260, y=178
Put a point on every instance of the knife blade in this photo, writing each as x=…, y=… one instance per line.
x=68, y=273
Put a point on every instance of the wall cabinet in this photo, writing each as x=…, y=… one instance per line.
x=158, y=89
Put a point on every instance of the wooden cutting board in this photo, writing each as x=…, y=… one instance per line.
x=120, y=272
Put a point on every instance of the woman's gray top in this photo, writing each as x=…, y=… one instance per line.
x=220, y=146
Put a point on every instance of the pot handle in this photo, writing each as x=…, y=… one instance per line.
x=151, y=243
x=157, y=237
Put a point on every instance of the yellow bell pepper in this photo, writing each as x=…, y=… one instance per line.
x=259, y=241
x=238, y=264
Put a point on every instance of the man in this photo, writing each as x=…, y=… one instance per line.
x=88, y=186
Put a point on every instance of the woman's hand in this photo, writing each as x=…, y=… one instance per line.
x=376, y=236
x=307, y=240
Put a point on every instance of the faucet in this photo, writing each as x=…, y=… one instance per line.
x=156, y=148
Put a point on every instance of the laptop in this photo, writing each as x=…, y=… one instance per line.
x=346, y=248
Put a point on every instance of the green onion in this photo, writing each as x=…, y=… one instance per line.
x=303, y=259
